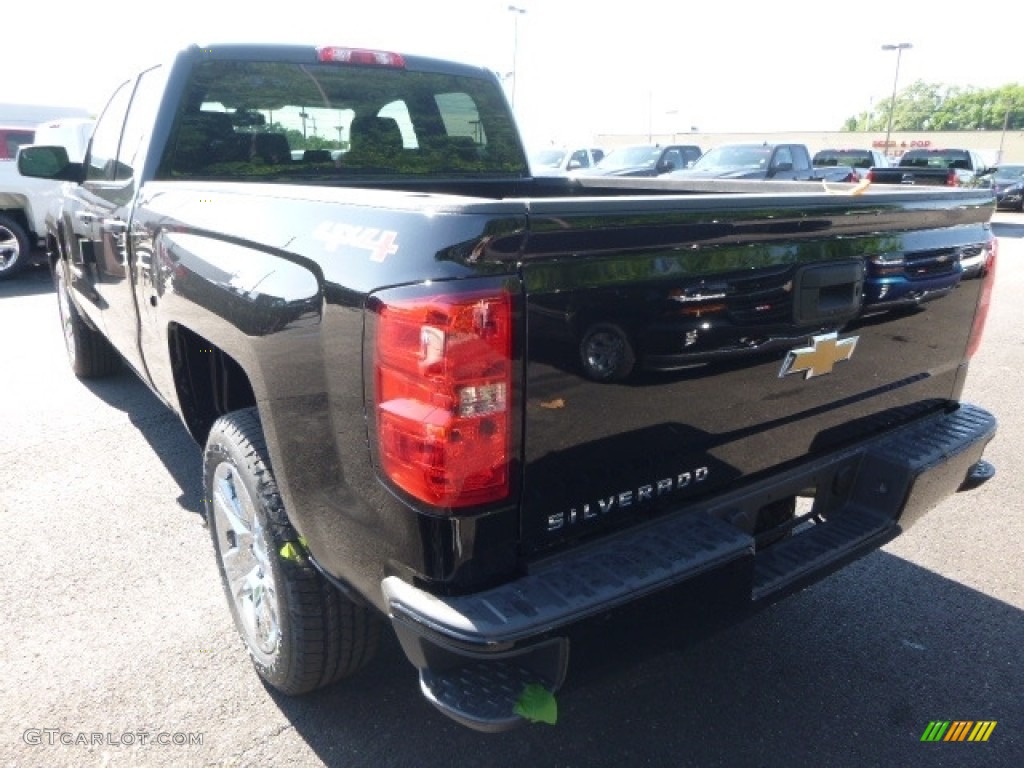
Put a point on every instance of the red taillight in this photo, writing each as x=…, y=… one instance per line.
x=337, y=55
x=443, y=370
x=988, y=276
x=952, y=180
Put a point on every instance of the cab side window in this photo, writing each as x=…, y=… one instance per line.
x=783, y=157
x=102, y=161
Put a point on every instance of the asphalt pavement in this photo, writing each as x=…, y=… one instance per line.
x=118, y=648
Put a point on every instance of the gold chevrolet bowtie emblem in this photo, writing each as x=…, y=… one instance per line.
x=819, y=358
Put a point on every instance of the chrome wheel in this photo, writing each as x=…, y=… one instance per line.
x=14, y=247
x=604, y=350
x=242, y=545
x=66, y=318
x=300, y=631
x=10, y=249
x=89, y=352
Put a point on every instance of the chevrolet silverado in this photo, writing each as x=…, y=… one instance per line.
x=434, y=392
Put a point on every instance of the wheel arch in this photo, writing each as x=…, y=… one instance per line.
x=18, y=215
x=209, y=382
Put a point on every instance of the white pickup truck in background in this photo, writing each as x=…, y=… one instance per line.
x=559, y=161
x=24, y=202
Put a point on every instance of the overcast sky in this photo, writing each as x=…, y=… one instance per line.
x=583, y=68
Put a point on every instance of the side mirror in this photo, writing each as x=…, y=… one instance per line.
x=43, y=162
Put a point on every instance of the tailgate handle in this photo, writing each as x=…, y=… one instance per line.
x=828, y=293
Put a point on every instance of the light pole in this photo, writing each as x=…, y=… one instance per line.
x=899, y=48
x=515, y=49
x=1002, y=138
x=675, y=116
x=650, y=117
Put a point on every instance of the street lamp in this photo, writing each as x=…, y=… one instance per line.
x=675, y=116
x=899, y=48
x=515, y=49
x=1002, y=138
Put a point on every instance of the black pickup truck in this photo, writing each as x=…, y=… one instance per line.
x=862, y=160
x=490, y=409
x=935, y=167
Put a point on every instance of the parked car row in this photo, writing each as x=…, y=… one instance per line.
x=746, y=161
x=779, y=161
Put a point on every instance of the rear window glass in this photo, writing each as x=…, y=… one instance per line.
x=736, y=156
x=278, y=120
x=936, y=158
x=1009, y=172
x=855, y=158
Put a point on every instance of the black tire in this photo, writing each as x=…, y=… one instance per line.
x=300, y=631
x=606, y=352
x=89, y=353
x=15, y=248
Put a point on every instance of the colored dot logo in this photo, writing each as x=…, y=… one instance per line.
x=959, y=730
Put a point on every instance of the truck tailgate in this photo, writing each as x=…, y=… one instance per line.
x=934, y=177
x=673, y=354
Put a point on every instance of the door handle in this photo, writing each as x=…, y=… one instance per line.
x=115, y=226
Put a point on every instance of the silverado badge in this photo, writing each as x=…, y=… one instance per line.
x=819, y=358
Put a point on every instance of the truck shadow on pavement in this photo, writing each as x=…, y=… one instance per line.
x=161, y=428
x=849, y=672
x=35, y=280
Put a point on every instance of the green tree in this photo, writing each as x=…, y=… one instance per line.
x=933, y=107
x=319, y=142
x=297, y=141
